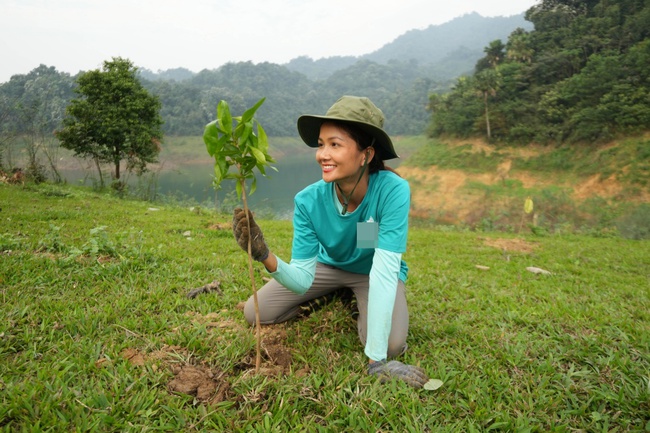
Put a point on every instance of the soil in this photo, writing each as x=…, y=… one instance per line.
x=209, y=384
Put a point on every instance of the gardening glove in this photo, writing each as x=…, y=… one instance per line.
x=414, y=376
x=259, y=249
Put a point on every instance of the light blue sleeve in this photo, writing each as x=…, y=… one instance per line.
x=296, y=276
x=381, y=300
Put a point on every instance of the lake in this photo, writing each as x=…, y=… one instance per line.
x=192, y=182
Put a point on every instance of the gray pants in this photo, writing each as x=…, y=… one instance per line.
x=278, y=304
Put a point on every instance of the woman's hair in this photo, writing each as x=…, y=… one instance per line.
x=364, y=141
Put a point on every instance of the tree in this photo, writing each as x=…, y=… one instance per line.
x=518, y=47
x=114, y=119
x=232, y=141
x=487, y=83
x=45, y=95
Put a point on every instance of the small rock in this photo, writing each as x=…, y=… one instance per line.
x=187, y=234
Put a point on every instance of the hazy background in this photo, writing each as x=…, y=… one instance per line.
x=74, y=35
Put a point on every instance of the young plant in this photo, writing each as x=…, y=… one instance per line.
x=233, y=141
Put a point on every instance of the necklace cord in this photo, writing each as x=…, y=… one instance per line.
x=346, y=199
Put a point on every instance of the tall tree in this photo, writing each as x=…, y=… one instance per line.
x=487, y=83
x=113, y=119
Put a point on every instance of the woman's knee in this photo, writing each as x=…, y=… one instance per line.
x=249, y=311
x=396, y=347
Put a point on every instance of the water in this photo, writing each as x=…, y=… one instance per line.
x=192, y=182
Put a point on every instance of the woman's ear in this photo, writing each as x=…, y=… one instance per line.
x=370, y=154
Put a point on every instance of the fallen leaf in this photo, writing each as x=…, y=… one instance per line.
x=433, y=384
x=535, y=270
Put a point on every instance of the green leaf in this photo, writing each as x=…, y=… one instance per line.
x=263, y=140
x=245, y=134
x=259, y=156
x=248, y=114
x=433, y=384
x=239, y=189
x=253, y=186
x=224, y=116
x=220, y=170
x=211, y=137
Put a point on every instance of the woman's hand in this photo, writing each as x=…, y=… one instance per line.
x=259, y=249
x=411, y=374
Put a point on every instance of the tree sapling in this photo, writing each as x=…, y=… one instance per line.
x=240, y=142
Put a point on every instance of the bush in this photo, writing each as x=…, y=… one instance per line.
x=636, y=223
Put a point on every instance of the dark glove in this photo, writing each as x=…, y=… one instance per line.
x=259, y=249
x=414, y=376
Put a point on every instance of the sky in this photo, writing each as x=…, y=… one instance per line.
x=79, y=35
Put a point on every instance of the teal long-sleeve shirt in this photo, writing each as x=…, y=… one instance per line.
x=322, y=234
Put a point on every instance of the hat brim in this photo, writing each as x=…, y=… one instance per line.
x=309, y=130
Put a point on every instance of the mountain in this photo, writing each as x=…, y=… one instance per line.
x=445, y=51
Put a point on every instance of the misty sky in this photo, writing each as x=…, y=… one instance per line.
x=74, y=35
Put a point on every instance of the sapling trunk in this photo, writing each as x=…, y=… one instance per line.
x=258, y=325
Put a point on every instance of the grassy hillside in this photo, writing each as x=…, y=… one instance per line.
x=596, y=189
x=97, y=334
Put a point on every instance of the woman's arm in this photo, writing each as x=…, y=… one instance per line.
x=381, y=300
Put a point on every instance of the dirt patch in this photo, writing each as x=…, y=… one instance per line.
x=437, y=192
x=276, y=356
x=220, y=226
x=595, y=186
x=209, y=384
x=511, y=245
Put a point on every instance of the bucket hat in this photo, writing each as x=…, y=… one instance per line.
x=356, y=110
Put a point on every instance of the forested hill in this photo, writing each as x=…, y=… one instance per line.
x=442, y=52
x=583, y=75
x=399, y=85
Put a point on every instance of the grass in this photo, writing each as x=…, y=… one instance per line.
x=86, y=278
x=434, y=152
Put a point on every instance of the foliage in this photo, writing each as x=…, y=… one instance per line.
x=31, y=107
x=516, y=351
x=580, y=76
x=636, y=223
x=237, y=145
x=113, y=119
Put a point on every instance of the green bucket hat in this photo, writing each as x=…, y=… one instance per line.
x=358, y=111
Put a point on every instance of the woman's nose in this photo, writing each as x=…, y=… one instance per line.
x=322, y=152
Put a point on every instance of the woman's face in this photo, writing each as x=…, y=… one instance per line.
x=338, y=154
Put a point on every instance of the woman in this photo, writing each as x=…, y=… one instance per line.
x=350, y=231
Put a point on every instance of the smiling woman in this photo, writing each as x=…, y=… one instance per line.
x=350, y=231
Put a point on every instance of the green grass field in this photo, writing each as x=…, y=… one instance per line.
x=97, y=334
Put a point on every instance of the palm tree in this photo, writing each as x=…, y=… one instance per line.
x=487, y=83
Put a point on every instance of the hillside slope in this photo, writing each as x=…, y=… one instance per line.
x=472, y=183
